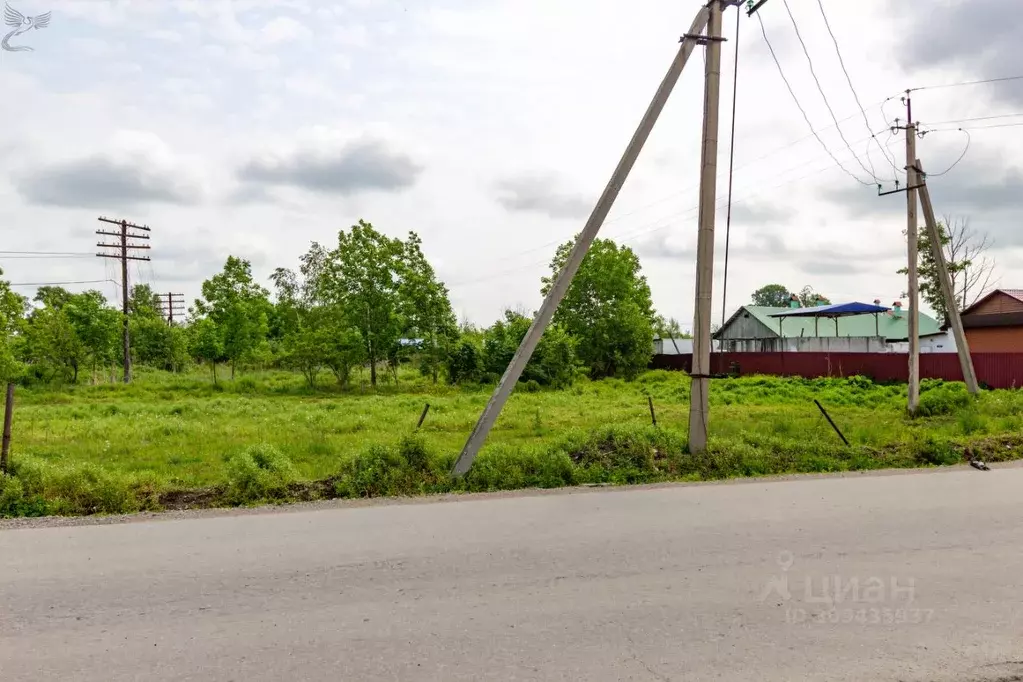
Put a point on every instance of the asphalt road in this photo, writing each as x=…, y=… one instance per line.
x=924, y=574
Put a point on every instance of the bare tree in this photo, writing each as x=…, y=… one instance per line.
x=968, y=249
x=970, y=268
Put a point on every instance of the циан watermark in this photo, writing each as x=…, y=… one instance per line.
x=871, y=600
x=21, y=24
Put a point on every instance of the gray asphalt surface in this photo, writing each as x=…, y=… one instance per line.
x=682, y=583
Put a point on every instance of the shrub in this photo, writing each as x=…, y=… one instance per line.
x=510, y=468
x=261, y=472
x=943, y=399
x=377, y=472
x=87, y=489
x=465, y=364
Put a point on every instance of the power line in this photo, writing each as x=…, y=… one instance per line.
x=980, y=82
x=795, y=99
x=820, y=89
x=55, y=284
x=1000, y=125
x=978, y=118
x=731, y=167
x=848, y=79
x=966, y=149
x=48, y=253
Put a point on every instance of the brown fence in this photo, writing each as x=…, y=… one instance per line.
x=996, y=370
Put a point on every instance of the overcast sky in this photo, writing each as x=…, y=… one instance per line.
x=254, y=127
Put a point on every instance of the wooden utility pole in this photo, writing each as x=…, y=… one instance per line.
x=171, y=303
x=912, y=232
x=699, y=398
x=124, y=246
x=938, y=254
x=5, y=448
x=582, y=245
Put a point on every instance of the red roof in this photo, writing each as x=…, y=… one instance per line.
x=1015, y=293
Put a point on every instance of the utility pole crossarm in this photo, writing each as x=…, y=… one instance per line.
x=124, y=223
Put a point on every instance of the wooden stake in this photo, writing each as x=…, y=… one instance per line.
x=5, y=452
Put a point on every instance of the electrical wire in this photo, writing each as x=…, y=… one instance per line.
x=966, y=149
x=978, y=118
x=827, y=104
x=848, y=79
x=49, y=253
x=1000, y=125
x=54, y=284
x=800, y=106
x=731, y=169
x=962, y=83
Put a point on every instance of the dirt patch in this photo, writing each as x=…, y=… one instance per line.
x=199, y=498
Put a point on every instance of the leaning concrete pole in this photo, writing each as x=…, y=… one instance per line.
x=938, y=253
x=582, y=245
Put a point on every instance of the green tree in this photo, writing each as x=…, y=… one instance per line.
x=238, y=307
x=361, y=278
x=53, y=345
x=553, y=363
x=97, y=326
x=607, y=309
x=772, y=296
x=464, y=365
x=425, y=308
x=205, y=343
x=969, y=268
x=808, y=298
x=12, y=313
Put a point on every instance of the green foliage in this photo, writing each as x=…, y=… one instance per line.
x=553, y=362
x=771, y=296
x=362, y=278
x=259, y=473
x=465, y=364
x=205, y=343
x=607, y=309
x=940, y=398
x=238, y=309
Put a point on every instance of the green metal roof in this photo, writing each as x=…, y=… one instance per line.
x=888, y=326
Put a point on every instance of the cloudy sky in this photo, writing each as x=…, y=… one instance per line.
x=253, y=127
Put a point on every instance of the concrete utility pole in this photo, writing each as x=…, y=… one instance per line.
x=582, y=245
x=912, y=231
x=123, y=245
x=938, y=253
x=699, y=402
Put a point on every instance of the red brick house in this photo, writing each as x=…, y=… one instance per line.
x=994, y=324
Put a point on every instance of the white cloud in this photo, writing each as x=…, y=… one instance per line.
x=413, y=115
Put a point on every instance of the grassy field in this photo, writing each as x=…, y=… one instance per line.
x=177, y=440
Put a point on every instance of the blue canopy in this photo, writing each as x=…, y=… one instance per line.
x=837, y=310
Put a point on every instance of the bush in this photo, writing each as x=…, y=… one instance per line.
x=510, y=468
x=465, y=364
x=87, y=489
x=261, y=472
x=942, y=400
x=377, y=472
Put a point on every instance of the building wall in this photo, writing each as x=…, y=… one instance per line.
x=746, y=326
x=995, y=339
x=998, y=304
x=807, y=344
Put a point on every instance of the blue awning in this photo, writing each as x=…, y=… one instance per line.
x=837, y=310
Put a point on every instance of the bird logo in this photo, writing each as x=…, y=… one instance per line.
x=21, y=24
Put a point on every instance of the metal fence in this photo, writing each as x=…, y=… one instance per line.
x=995, y=370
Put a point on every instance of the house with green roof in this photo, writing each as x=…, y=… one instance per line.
x=755, y=329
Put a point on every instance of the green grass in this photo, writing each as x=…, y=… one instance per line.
x=267, y=437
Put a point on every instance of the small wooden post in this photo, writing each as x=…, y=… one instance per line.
x=422, y=417
x=828, y=417
x=8, y=418
x=653, y=417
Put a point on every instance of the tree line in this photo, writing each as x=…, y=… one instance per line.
x=369, y=301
